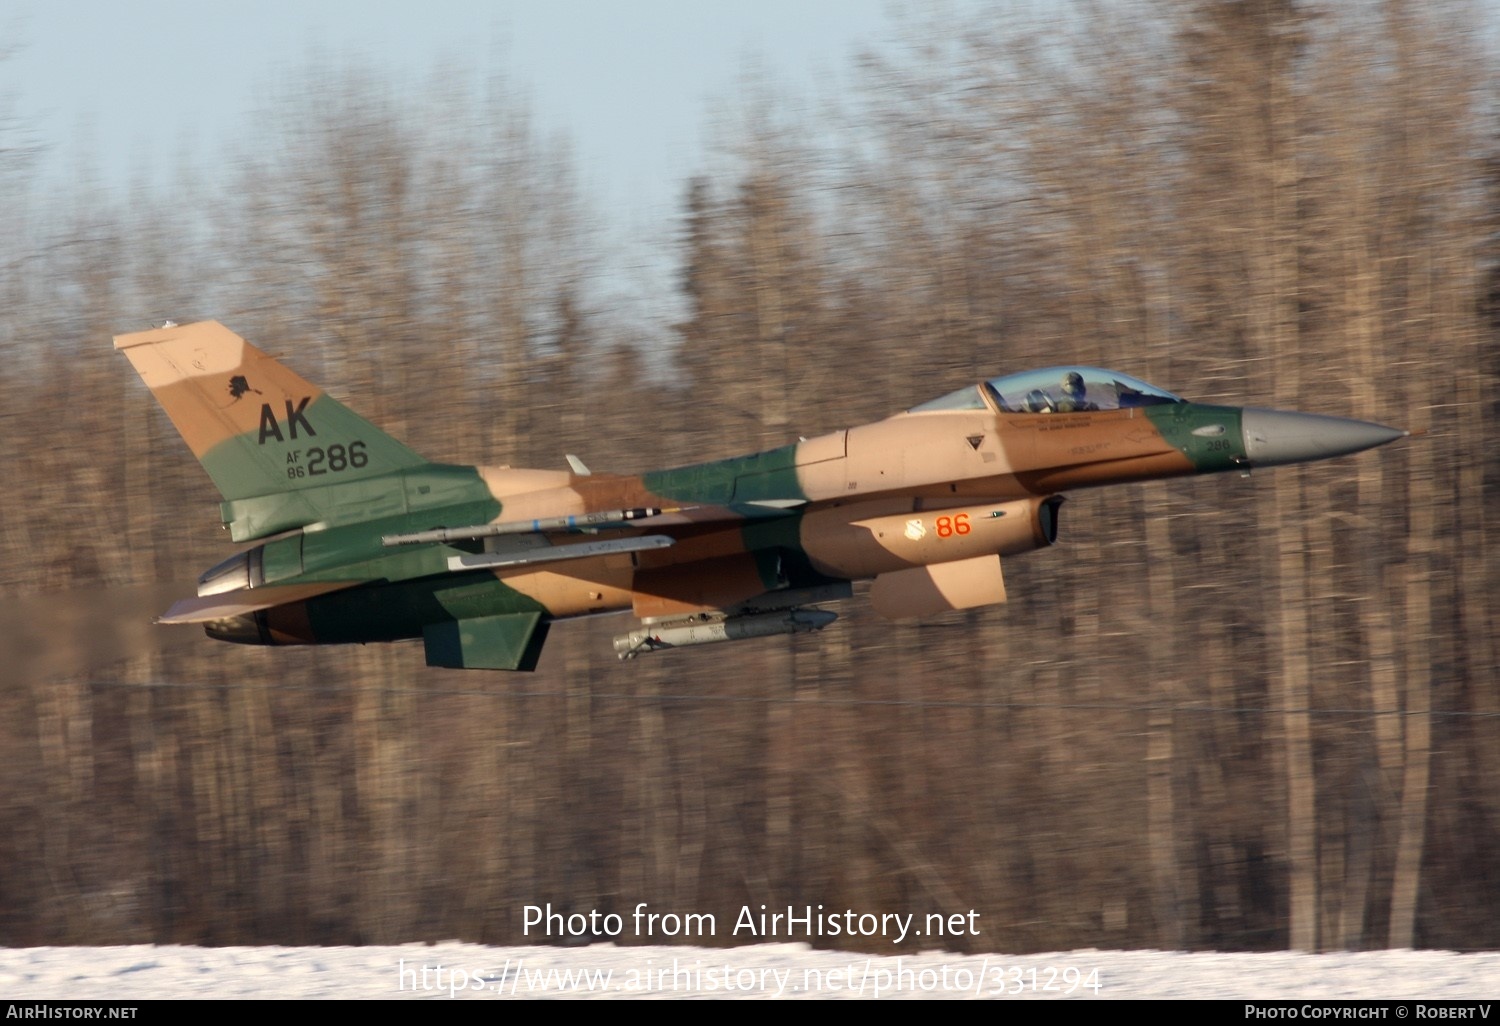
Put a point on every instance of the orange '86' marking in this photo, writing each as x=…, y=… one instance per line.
x=959, y=524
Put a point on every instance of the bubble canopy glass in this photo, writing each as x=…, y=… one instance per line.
x=1055, y=390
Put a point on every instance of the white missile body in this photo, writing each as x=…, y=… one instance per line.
x=735, y=628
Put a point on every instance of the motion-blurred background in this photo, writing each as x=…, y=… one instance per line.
x=1222, y=713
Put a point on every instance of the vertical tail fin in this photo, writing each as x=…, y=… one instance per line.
x=257, y=427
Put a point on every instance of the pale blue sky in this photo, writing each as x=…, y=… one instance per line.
x=144, y=82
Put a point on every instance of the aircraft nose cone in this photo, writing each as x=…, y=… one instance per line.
x=1278, y=436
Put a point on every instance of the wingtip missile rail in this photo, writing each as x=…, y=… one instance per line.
x=577, y=522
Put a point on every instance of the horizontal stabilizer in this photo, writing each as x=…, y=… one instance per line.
x=208, y=608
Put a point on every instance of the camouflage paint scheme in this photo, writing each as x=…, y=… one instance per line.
x=925, y=503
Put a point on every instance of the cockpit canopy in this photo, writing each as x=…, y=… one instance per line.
x=1054, y=390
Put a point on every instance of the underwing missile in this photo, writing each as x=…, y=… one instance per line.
x=734, y=628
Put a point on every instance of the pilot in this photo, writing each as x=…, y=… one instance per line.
x=1074, y=395
x=1038, y=401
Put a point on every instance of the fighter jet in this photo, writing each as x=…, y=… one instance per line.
x=359, y=539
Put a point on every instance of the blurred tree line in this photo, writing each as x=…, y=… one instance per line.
x=1223, y=713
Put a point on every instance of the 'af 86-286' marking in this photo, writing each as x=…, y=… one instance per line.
x=329, y=460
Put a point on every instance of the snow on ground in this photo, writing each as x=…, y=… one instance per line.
x=454, y=970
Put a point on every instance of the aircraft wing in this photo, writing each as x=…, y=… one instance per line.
x=243, y=601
